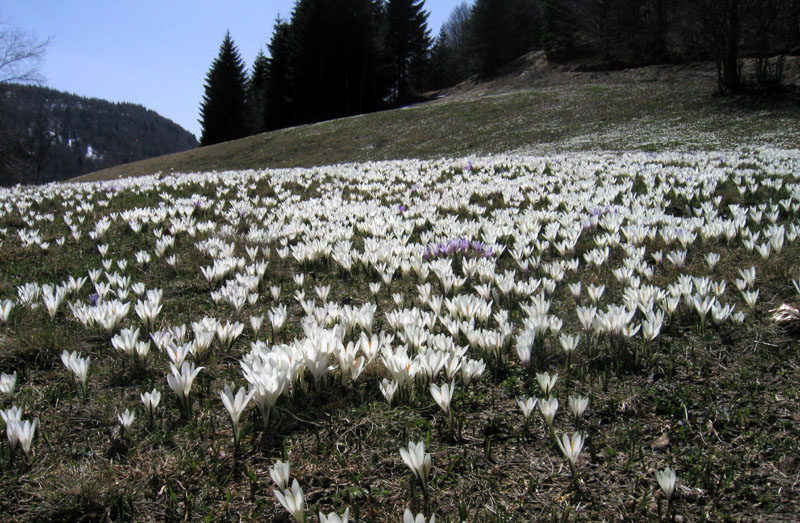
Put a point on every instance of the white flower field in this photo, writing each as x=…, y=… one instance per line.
x=503, y=338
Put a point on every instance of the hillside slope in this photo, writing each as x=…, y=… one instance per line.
x=57, y=135
x=534, y=107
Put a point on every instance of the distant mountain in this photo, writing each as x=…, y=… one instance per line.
x=48, y=135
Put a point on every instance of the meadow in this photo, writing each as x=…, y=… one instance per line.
x=577, y=336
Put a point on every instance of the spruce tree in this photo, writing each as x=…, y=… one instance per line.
x=501, y=31
x=334, y=59
x=278, y=93
x=406, y=43
x=450, y=55
x=556, y=38
x=257, y=95
x=222, y=112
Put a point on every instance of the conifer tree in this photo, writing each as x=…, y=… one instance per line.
x=501, y=31
x=257, y=95
x=222, y=112
x=556, y=39
x=334, y=59
x=406, y=43
x=450, y=55
x=278, y=93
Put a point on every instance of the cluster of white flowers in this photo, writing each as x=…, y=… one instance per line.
x=478, y=238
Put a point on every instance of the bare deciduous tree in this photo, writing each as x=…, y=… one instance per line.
x=21, y=55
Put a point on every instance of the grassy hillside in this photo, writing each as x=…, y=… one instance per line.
x=637, y=110
x=448, y=305
x=343, y=294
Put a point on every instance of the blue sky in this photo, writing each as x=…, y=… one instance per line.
x=153, y=53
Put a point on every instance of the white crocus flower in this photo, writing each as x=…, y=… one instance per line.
x=275, y=291
x=748, y=276
x=12, y=417
x=280, y=474
x=178, y=352
x=472, y=370
x=443, y=396
x=586, y=315
x=125, y=420
x=255, y=324
x=527, y=405
x=151, y=400
x=750, y=298
x=8, y=383
x=8, y=305
x=24, y=434
x=293, y=501
x=277, y=317
x=546, y=381
x=418, y=461
x=268, y=383
x=569, y=342
x=595, y=292
x=180, y=381
x=77, y=366
x=147, y=311
x=125, y=341
x=575, y=289
x=548, y=408
x=571, y=446
x=409, y=517
x=577, y=405
x=388, y=389
x=333, y=517
x=525, y=347
x=666, y=480
x=236, y=405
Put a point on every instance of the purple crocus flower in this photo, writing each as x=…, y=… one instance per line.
x=93, y=298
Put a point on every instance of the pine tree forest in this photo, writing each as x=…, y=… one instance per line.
x=335, y=58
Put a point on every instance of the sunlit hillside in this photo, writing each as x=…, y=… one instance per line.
x=504, y=338
x=536, y=107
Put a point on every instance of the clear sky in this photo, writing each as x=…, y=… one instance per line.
x=153, y=53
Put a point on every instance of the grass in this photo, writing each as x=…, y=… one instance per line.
x=578, y=115
x=717, y=403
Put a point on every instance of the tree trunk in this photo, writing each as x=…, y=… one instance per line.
x=730, y=80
